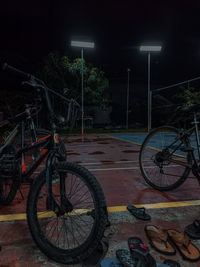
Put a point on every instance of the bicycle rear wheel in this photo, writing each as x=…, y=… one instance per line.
x=9, y=175
x=70, y=237
x=164, y=165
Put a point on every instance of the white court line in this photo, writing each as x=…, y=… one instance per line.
x=107, y=162
x=125, y=168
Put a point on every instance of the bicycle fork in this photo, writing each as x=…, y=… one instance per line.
x=51, y=204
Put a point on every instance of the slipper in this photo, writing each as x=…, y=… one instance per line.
x=158, y=239
x=140, y=252
x=125, y=259
x=139, y=213
x=172, y=263
x=183, y=244
x=193, y=230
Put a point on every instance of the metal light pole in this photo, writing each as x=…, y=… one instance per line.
x=82, y=45
x=127, y=100
x=82, y=95
x=150, y=49
x=149, y=92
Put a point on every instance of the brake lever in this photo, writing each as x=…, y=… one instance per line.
x=34, y=82
x=26, y=83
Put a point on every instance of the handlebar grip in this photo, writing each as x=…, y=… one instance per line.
x=15, y=71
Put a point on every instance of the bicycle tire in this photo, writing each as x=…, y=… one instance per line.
x=59, y=252
x=6, y=197
x=148, y=153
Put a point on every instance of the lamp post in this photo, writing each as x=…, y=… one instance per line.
x=82, y=45
x=149, y=49
x=127, y=100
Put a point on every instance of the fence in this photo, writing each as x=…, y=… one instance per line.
x=166, y=99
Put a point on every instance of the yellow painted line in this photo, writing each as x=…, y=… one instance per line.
x=157, y=149
x=13, y=217
x=22, y=216
x=164, y=205
x=154, y=148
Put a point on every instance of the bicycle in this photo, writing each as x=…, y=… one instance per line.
x=66, y=207
x=167, y=154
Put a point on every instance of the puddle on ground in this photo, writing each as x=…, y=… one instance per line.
x=72, y=153
x=107, y=161
x=88, y=140
x=96, y=153
x=131, y=151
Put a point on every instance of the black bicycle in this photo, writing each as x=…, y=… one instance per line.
x=169, y=154
x=66, y=207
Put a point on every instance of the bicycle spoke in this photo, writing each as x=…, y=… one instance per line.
x=163, y=161
x=71, y=229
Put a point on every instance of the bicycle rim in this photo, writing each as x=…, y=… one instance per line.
x=67, y=237
x=167, y=170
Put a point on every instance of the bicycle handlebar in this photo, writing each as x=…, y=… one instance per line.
x=37, y=83
x=15, y=71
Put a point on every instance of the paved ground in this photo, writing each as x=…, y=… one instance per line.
x=115, y=164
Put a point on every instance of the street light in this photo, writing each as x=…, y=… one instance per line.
x=149, y=49
x=127, y=100
x=82, y=45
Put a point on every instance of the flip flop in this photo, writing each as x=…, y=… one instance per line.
x=172, y=263
x=158, y=239
x=139, y=213
x=193, y=230
x=125, y=259
x=183, y=244
x=140, y=252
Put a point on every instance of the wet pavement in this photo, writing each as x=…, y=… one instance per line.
x=114, y=162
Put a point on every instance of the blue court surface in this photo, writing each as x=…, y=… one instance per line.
x=135, y=138
x=155, y=142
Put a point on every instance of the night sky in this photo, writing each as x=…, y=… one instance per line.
x=29, y=30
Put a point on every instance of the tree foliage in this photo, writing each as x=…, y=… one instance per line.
x=187, y=97
x=60, y=72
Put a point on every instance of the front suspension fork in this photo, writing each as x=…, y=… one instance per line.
x=51, y=204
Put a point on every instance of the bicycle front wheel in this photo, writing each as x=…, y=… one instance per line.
x=164, y=163
x=73, y=235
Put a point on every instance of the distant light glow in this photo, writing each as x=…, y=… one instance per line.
x=150, y=48
x=82, y=44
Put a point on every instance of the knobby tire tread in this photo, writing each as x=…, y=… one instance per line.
x=56, y=254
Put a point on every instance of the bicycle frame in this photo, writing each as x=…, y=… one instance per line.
x=42, y=142
x=184, y=140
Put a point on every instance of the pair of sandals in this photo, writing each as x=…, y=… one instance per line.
x=139, y=255
x=167, y=241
